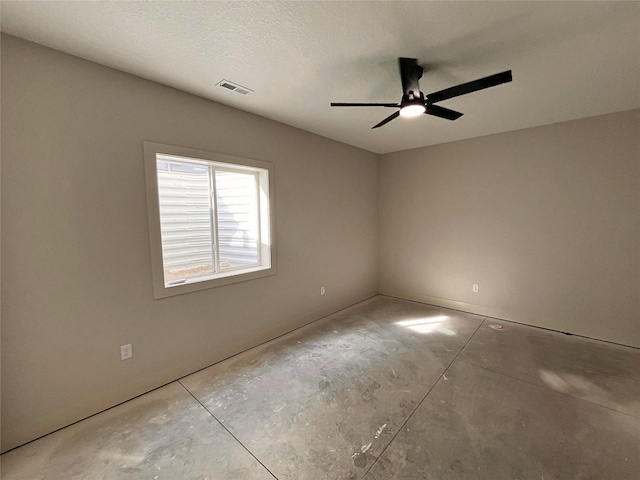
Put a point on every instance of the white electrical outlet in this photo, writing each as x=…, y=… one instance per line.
x=126, y=351
x=476, y=288
x=322, y=291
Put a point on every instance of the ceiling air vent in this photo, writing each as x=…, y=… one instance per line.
x=234, y=87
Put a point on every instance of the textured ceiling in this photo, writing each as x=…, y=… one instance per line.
x=569, y=59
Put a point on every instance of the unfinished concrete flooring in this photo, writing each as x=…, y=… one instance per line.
x=385, y=389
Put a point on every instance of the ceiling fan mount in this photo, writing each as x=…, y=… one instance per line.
x=415, y=103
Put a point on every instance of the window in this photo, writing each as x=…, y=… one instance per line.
x=210, y=218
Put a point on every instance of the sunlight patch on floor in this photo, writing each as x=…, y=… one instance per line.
x=427, y=325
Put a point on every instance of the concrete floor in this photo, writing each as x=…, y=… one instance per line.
x=385, y=389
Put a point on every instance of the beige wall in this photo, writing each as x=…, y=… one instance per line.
x=545, y=220
x=76, y=271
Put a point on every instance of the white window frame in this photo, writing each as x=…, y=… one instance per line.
x=266, y=253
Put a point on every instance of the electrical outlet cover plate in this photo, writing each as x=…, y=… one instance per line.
x=126, y=351
x=476, y=288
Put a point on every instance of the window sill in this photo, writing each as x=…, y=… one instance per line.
x=195, y=285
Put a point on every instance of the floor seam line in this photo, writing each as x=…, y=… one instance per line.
x=423, y=399
x=548, y=388
x=227, y=430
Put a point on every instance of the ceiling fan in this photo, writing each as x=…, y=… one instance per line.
x=415, y=103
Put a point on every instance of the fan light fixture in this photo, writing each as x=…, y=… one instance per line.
x=412, y=110
x=414, y=102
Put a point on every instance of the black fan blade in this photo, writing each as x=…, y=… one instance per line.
x=442, y=112
x=387, y=120
x=474, y=86
x=410, y=73
x=365, y=105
